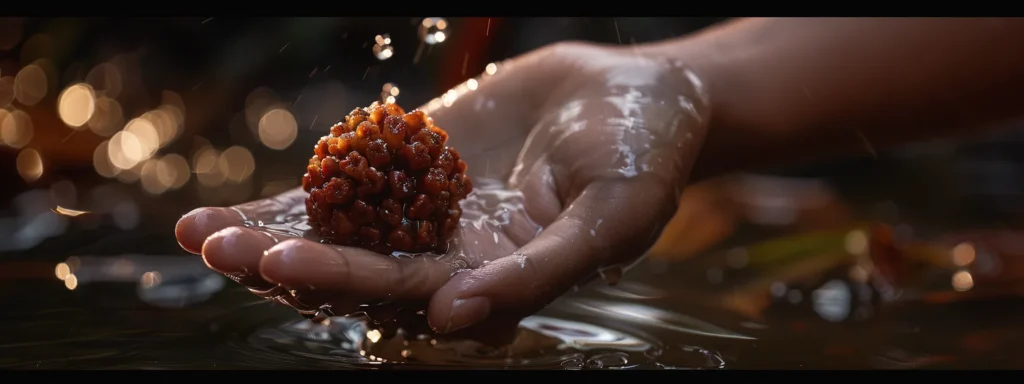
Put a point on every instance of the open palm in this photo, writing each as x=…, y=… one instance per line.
x=578, y=154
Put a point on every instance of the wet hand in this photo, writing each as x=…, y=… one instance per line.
x=590, y=147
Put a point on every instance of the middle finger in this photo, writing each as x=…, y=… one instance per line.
x=303, y=264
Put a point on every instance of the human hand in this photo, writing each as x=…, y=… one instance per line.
x=593, y=145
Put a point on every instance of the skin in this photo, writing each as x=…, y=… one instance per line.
x=607, y=137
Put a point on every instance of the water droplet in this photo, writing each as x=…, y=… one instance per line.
x=572, y=364
x=521, y=258
x=433, y=30
x=611, y=275
x=421, y=312
x=653, y=353
x=604, y=360
x=382, y=47
x=406, y=353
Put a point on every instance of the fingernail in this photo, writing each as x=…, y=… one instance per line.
x=466, y=312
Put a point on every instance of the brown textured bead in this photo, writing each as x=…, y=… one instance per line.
x=384, y=180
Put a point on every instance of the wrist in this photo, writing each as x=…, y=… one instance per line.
x=749, y=110
x=710, y=61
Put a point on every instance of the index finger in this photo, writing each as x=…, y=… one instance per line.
x=196, y=226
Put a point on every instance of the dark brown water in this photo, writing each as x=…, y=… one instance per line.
x=809, y=289
x=837, y=299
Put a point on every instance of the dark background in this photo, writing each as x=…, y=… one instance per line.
x=319, y=69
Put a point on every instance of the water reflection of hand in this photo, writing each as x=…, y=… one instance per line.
x=598, y=142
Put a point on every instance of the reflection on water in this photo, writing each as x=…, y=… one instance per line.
x=861, y=295
x=541, y=343
x=163, y=312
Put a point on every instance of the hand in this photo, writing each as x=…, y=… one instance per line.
x=594, y=145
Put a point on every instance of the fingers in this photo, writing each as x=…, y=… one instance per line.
x=236, y=252
x=193, y=228
x=307, y=265
x=612, y=222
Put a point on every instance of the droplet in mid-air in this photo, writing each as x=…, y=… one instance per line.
x=389, y=93
x=433, y=30
x=382, y=47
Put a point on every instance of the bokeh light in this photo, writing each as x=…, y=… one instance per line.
x=146, y=134
x=257, y=103
x=236, y=163
x=166, y=123
x=449, y=98
x=30, y=164
x=16, y=128
x=30, y=84
x=131, y=174
x=125, y=150
x=76, y=105
x=389, y=93
x=173, y=171
x=382, y=47
x=278, y=129
x=62, y=271
x=433, y=30
x=150, y=179
x=963, y=254
x=71, y=282
x=107, y=117
x=105, y=78
x=206, y=164
x=962, y=281
x=101, y=161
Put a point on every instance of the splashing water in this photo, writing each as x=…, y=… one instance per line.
x=491, y=213
x=541, y=342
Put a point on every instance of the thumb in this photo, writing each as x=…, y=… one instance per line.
x=610, y=222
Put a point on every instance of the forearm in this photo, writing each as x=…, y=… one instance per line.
x=785, y=90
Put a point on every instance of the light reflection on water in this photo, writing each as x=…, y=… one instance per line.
x=184, y=316
x=562, y=337
x=818, y=300
x=541, y=343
